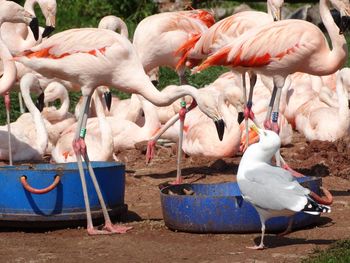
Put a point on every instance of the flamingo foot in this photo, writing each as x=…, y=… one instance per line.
x=177, y=181
x=79, y=146
x=150, y=151
x=116, y=229
x=248, y=113
x=293, y=172
x=272, y=126
x=260, y=247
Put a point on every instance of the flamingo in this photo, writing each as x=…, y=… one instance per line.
x=99, y=140
x=29, y=143
x=93, y=57
x=272, y=190
x=18, y=38
x=327, y=123
x=226, y=31
x=156, y=39
x=284, y=47
x=114, y=23
x=13, y=13
x=198, y=133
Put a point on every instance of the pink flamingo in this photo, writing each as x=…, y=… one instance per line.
x=157, y=37
x=284, y=47
x=327, y=123
x=29, y=143
x=101, y=57
x=13, y=13
x=99, y=140
x=198, y=133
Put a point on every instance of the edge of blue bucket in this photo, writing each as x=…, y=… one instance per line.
x=69, y=219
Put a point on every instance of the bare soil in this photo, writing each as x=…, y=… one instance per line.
x=151, y=241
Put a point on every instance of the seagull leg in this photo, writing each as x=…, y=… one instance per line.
x=261, y=245
x=289, y=227
x=8, y=121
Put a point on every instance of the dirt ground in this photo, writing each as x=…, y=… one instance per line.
x=151, y=241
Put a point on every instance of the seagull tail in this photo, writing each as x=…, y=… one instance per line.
x=317, y=204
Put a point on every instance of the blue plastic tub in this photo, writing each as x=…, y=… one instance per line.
x=220, y=208
x=64, y=204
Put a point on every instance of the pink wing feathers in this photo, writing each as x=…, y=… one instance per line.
x=264, y=45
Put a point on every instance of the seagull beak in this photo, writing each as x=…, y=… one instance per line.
x=108, y=99
x=344, y=24
x=40, y=104
x=34, y=26
x=47, y=31
x=220, y=127
x=254, y=128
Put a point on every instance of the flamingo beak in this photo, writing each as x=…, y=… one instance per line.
x=108, y=99
x=34, y=26
x=40, y=104
x=344, y=24
x=47, y=31
x=220, y=128
x=240, y=117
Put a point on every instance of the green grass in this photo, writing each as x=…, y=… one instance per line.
x=339, y=252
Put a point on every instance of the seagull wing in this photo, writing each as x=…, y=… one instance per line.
x=273, y=188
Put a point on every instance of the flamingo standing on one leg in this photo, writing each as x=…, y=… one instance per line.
x=284, y=47
x=93, y=57
x=157, y=38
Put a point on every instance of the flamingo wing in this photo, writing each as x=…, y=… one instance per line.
x=84, y=40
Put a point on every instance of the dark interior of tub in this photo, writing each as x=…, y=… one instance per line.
x=219, y=190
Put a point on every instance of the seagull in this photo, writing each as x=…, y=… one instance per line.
x=272, y=190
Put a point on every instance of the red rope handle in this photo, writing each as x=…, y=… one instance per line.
x=39, y=191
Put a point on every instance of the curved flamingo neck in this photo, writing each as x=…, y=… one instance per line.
x=337, y=57
x=105, y=128
x=41, y=132
x=343, y=101
x=29, y=6
x=151, y=116
x=9, y=67
x=63, y=110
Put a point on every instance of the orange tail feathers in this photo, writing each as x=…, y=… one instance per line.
x=218, y=58
x=206, y=17
x=185, y=48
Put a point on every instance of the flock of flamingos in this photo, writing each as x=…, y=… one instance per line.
x=284, y=77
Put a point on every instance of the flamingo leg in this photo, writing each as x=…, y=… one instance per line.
x=246, y=110
x=20, y=100
x=182, y=115
x=80, y=150
x=8, y=122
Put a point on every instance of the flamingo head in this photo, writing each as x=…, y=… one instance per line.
x=343, y=6
x=274, y=7
x=54, y=91
x=15, y=13
x=209, y=104
x=49, y=9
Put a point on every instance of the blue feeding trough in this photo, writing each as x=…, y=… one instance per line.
x=220, y=208
x=50, y=195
